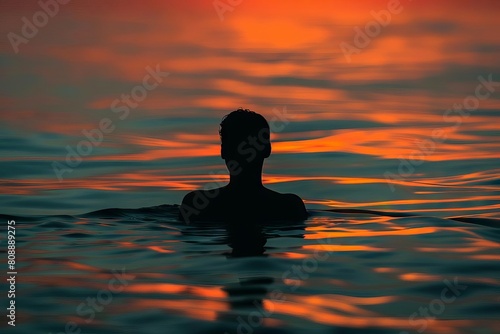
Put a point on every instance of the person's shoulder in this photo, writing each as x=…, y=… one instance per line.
x=189, y=197
x=201, y=195
x=287, y=197
x=293, y=199
x=196, y=202
x=297, y=206
x=292, y=204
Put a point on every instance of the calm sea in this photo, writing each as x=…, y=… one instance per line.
x=111, y=105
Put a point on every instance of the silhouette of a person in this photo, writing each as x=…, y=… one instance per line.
x=245, y=143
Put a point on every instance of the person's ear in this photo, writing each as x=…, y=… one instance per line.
x=267, y=150
x=223, y=152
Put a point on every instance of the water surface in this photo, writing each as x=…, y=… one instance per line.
x=386, y=130
x=335, y=272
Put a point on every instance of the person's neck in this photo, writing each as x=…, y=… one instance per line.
x=247, y=178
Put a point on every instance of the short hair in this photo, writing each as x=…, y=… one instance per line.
x=237, y=126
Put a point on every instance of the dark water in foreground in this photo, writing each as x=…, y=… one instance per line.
x=142, y=271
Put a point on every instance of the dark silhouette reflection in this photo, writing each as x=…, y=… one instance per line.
x=246, y=240
x=245, y=143
x=255, y=288
x=246, y=297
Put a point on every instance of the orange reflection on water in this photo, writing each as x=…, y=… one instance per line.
x=418, y=277
x=326, y=309
x=344, y=248
x=290, y=255
x=421, y=201
x=386, y=270
x=471, y=245
x=486, y=257
x=345, y=311
x=207, y=310
x=321, y=233
x=213, y=292
x=423, y=277
x=160, y=249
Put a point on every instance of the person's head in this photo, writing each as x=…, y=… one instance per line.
x=245, y=137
